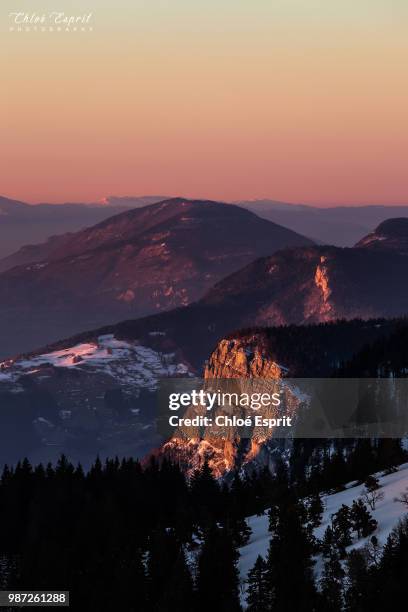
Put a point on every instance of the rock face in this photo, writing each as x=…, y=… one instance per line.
x=241, y=358
x=316, y=284
x=316, y=351
x=142, y=261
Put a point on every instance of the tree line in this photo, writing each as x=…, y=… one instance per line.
x=132, y=537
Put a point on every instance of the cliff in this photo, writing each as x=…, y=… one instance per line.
x=242, y=360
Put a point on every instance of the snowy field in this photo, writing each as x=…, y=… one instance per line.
x=387, y=513
x=129, y=362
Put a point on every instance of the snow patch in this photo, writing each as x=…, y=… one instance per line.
x=387, y=514
x=128, y=362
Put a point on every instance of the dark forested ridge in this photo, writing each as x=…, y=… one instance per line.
x=117, y=537
x=382, y=357
x=337, y=340
x=144, y=539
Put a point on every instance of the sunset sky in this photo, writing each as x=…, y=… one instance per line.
x=296, y=100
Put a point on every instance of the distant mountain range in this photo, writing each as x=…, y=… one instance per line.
x=305, y=285
x=337, y=225
x=22, y=224
x=141, y=261
x=132, y=201
x=391, y=235
x=25, y=224
x=95, y=392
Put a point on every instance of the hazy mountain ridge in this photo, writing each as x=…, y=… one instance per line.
x=23, y=224
x=299, y=286
x=335, y=225
x=143, y=260
x=390, y=235
x=133, y=201
x=306, y=285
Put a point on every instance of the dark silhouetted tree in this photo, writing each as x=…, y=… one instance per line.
x=258, y=590
x=363, y=523
x=290, y=562
x=218, y=580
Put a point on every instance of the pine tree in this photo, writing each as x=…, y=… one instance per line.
x=290, y=563
x=392, y=574
x=328, y=542
x=239, y=496
x=178, y=593
x=298, y=461
x=357, y=582
x=362, y=521
x=218, y=580
x=280, y=490
x=342, y=525
x=258, y=591
x=240, y=531
x=162, y=554
x=129, y=577
x=273, y=518
x=315, y=510
x=261, y=486
x=205, y=495
x=331, y=583
x=371, y=483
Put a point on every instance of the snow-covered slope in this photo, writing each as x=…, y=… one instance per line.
x=387, y=513
x=90, y=397
x=130, y=364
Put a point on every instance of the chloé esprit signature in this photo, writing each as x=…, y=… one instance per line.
x=55, y=18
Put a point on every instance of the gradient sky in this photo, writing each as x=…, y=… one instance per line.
x=296, y=100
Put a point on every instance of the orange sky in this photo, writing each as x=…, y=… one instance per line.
x=297, y=100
